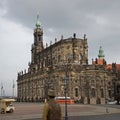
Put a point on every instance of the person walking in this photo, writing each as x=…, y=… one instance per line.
x=52, y=109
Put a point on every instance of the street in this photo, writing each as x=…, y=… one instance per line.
x=33, y=111
x=97, y=117
x=93, y=117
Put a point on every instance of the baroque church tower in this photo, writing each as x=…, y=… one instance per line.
x=37, y=46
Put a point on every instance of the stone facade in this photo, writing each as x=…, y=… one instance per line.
x=64, y=64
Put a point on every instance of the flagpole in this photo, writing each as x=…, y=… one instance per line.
x=1, y=90
x=13, y=88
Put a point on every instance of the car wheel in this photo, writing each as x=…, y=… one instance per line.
x=11, y=110
x=2, y=111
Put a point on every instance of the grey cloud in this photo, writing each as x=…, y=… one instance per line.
x=66, y=17
x=62, y=14
x=50, y=11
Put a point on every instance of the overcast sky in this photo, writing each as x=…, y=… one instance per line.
x=99, y=19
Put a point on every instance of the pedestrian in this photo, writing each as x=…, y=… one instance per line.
x=52, y=109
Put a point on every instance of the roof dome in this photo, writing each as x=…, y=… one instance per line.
x=101, y=53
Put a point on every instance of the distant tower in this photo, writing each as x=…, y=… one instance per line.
x=101, y=53
x=38, y=40
x=101, y=58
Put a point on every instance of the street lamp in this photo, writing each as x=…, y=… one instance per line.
x=66, y=79
x=66, y=82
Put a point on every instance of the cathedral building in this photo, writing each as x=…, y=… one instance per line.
x=64, y=65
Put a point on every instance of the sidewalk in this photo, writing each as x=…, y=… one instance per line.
x=94, y=110
x=73, y=110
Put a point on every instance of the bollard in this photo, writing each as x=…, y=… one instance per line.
x=107, y=110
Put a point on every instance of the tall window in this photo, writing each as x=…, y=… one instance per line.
x=59, y=58
x=76, y=92
x=118, y=88
x=53, y=60
x=93, y=92
x=102, y=82
x=102, y=93
x=110, y=94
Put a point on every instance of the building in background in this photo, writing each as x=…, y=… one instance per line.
x=66, y=60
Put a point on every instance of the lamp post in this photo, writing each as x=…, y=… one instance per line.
x=66, y=79
x=66, y=112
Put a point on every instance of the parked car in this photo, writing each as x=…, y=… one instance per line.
x=112, y=102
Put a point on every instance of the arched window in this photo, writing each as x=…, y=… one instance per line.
x=76, y=92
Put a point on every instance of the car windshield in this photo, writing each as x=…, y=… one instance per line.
x=10, y=105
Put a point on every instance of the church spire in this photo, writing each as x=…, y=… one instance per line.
x=38, y=22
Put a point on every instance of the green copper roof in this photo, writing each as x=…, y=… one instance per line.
x=38, y=22
x=101, y=53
